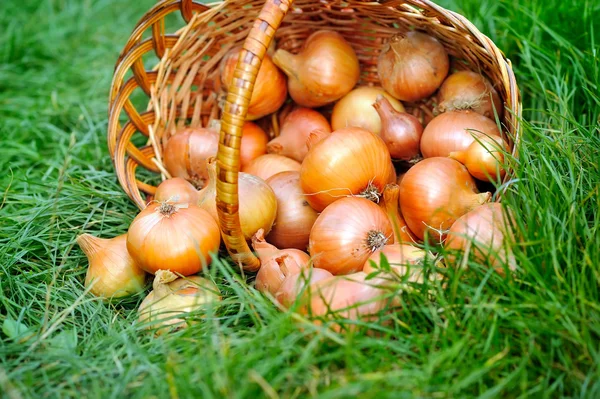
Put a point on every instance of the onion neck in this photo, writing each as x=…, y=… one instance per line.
x=383, y=107
x=90, y=245
x=460, y=156
x=264, y=250
x=287, y=62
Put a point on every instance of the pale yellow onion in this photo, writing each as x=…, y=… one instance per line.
x=268, y=165
x=176, y=189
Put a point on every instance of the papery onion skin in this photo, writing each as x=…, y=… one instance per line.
x=258, y=204
x=355, y=109
x=270, y=87
x=400, y=131
x=484, y=158
x=268, y=165
x=350, y=161
x=295, y=217
x=412, y=66
x=176, y=189
x=186, y=152
x=486, y=234
x=346, y=233
x=467, y=90
x=293, y=285
x=325, y=69
x=166, y=235
x=390, y=205
x=173, y=297
x=455, y=131
x=254, y=143
x=112, y=272
x=434, y=193
x=295, y=129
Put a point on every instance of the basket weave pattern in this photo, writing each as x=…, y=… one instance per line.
x=184, y=89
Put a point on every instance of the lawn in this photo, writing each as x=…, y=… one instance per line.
x=533, y=335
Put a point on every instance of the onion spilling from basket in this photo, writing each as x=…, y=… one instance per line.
x=349, y=183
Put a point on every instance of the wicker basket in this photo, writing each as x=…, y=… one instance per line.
x=183, y=88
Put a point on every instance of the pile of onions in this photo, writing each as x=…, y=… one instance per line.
x=355, y=109
x=389, y=203
x=168, y=305
x=484, y=158
x=180, y=237
x=268, y=165
x=325, y=69
x=177, y=190
x=295, y=217
x=412, y=66
x=112, y=272
x=346, y=233
x=270, y=87
x=434, y=193
x=467, y=90
x=326, y=175
x=455, y=131
x=484, y=233
x=258, y=205
x=294, y=133
x=254, y=143
x=186, y=152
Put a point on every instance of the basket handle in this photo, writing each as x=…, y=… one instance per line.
x=234, y=114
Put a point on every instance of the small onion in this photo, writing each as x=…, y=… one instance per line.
x=296, y=127
x=467, y=90
x=268, y=165
x=484, y=158
x=355, y=109
x=325, y=69
x=253, y=144
x=184, y=238
x=434, y=193
x=294, y=285
x=167, y=306
x=346, y=233
x=295, y=217
x=177, y=190
x=455, y=131
x=412, y=66
x=350, y=161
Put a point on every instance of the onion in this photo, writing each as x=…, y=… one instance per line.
x=112, y=272
x=484, y=158
x=186, y=153
x=467, y=90
x=177, y=190
x=270, y=87
x=346, y=233
x=167, y=306
x=184, y=238
x=258, y=205
x=254, y=143
x=355, y=109
x=412, y=66
x=434, y=193
x=294, y=285
x=455, y=131
x=293, y=136
x=486, y=235
x=276, y=264
x=400, y=131
x=350, y=161
x=268, y=165
x=389, y=203
x=325, y=69
x=295, y=217
x=401, y=259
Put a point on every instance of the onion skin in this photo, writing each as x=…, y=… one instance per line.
x=346, y=233
x=486, y=235
x=111, y=270
x=270, y=87
x=467, y=90
x=183, y=238
x=412, y=66
x=484, y=158
x=293, y=285
x=294, y=133
x=389, y=203
x=326, y=177
x=455, y=131
x=186, y=153
x=355, y=109
x=295, y=217
x=268, y=165
x=176, y=189
x=325, y=69
x=258, y=204
x=434, y=194
x=400, y=131
x=254, y=143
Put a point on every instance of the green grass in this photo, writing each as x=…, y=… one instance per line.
x=537, y=335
